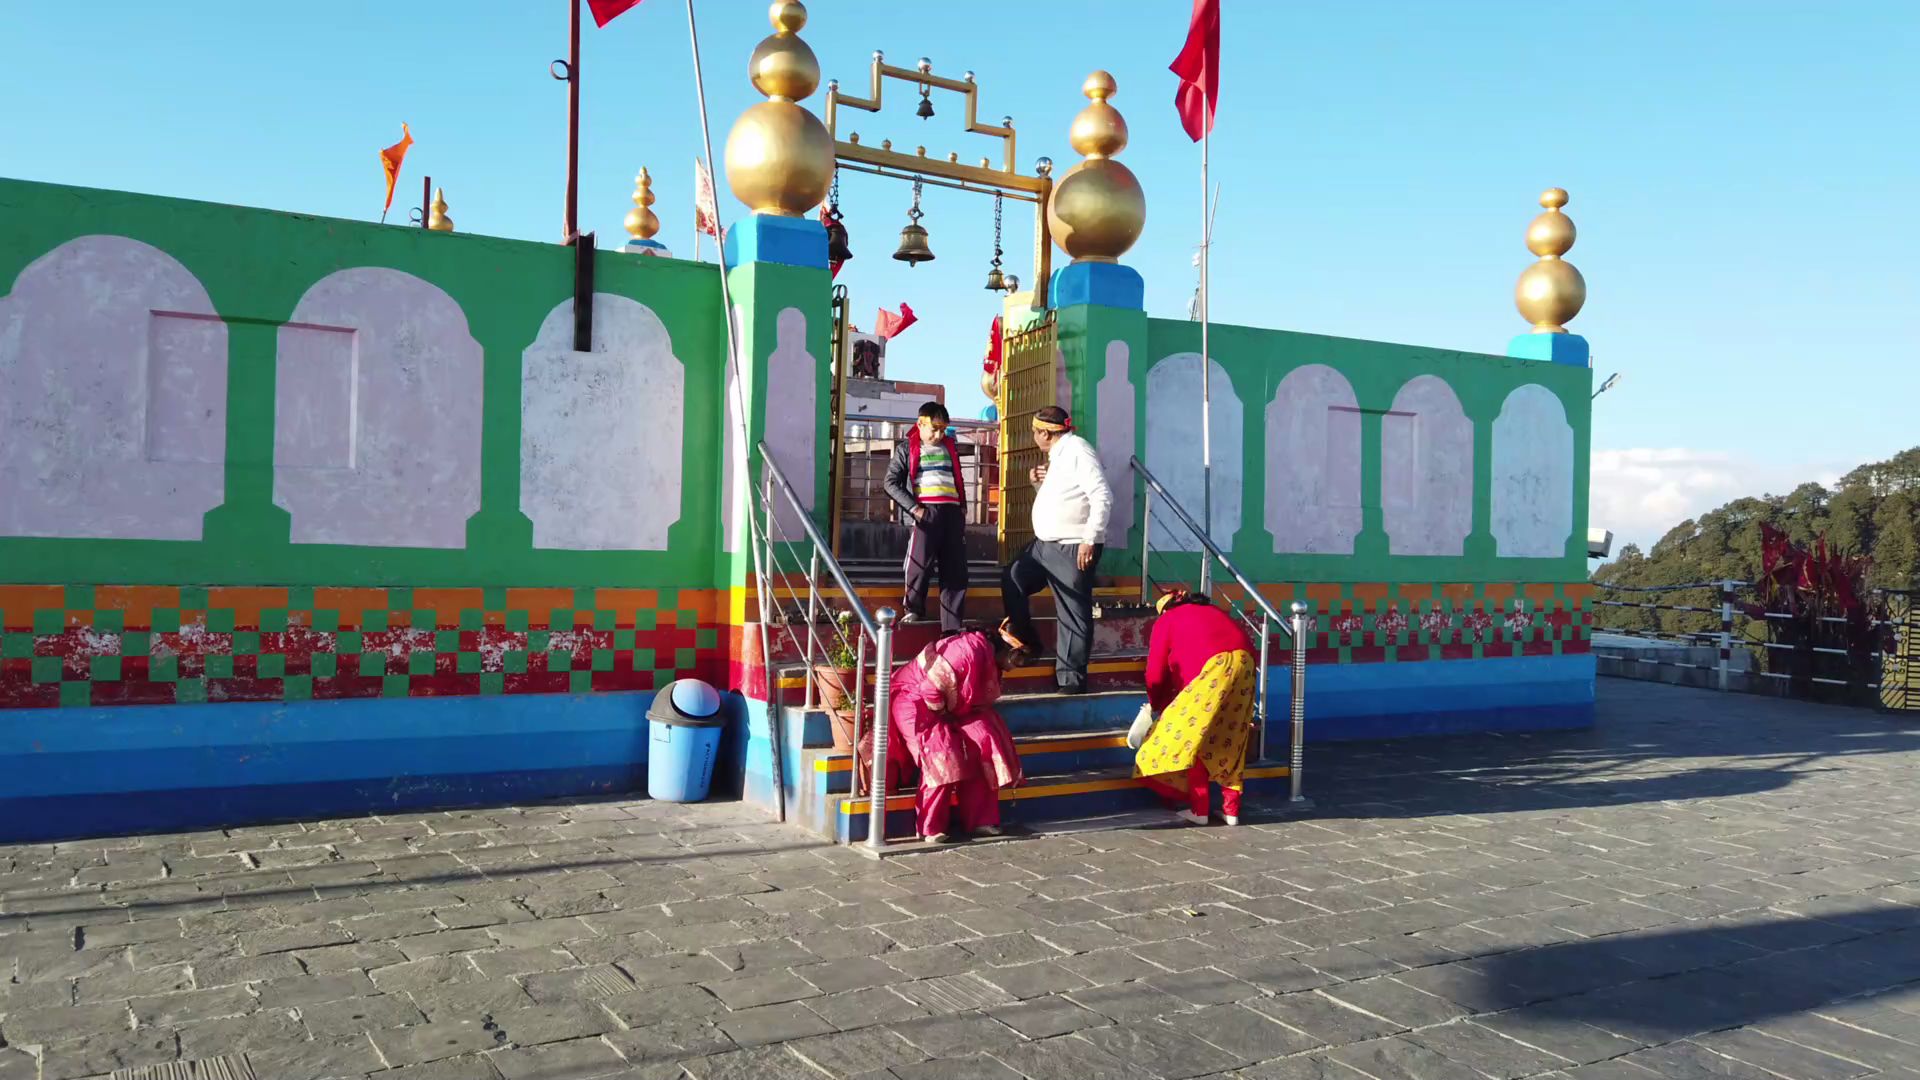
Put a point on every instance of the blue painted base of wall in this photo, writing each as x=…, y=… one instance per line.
x=1447, y=697
x=68, y=773
x=768, y=239
x=1105, y=284
x=1559, y=348
x=70, y=817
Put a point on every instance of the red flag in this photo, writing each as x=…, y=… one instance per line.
x=1198, y=66
x=888, y=325
x=390, y=160
x=706, y=217
x=605, y=11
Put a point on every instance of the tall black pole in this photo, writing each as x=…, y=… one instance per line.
x=573, y=120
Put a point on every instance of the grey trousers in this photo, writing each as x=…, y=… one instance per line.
x=1046, y=565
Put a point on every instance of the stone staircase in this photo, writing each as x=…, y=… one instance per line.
x=1073, y=747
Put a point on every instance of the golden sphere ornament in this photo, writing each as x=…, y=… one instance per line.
x=1550, y=292
x=1098, y=208
x=779, y=156
x=642, y=223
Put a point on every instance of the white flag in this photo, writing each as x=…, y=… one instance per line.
x=706, y=216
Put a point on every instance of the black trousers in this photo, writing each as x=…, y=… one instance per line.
x=1045, y=565
x=939, y=544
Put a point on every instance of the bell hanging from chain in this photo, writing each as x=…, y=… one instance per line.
x=837, y=249
x=913, y=239
x=925, y=109
x=996, y=280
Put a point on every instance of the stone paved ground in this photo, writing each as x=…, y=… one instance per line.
x=1703, y=887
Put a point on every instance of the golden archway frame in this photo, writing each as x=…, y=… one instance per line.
x=884, y=160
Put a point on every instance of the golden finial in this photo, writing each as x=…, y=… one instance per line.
x=641, y=221
x=1550, y=292
x=779, y=156
x=1098, y=207
x=437, y=219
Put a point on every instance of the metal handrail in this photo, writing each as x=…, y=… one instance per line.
x=1296, y=629
x=820, y=545
x=878, y=625
x=1155, y=487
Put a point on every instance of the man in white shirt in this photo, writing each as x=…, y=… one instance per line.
x=1069, y=526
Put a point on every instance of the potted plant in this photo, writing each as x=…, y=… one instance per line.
x=834, y=680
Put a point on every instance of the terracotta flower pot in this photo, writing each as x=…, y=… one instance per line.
x=835, y=686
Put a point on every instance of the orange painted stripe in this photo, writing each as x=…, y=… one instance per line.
x=246, y=603
x=350, y=603
x=19, y=602
x=136, y=601
x=446, y=604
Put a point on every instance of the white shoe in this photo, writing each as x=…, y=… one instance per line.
x=1142, y=727
x=1232, y=819
x=1191, y=818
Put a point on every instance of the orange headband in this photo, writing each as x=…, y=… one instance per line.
x=1044, y=425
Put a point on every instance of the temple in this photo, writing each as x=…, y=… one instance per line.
x=304, y=517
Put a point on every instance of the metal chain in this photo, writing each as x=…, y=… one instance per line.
x=996, y=230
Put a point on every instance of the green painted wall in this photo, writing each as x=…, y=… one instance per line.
x=256, y=264
x=1255, y=361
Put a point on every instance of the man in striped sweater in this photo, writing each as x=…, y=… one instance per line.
x=923, y=478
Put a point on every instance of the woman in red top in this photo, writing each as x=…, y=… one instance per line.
x=1201, y=678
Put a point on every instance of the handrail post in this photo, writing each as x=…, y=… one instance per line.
x=1299, y=702
x=882, y=701
x=1266, y=636
x=1146, y=548
x=1726, y=633
x=859, y=705
x=813, y=620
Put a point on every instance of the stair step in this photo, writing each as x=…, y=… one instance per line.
x=1055, y=742
x=1055, y=785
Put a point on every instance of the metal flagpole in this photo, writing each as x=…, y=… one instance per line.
x=573, y=122
x=1206, y=357
x=739, y=432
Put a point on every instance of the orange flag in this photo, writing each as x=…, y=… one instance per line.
x=390, y=160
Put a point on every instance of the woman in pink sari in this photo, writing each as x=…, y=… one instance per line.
x=943, y=718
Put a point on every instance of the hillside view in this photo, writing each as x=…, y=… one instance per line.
x=1873, y=511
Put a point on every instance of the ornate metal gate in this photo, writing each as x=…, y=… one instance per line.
x=1026, y=386
x=1900, y=658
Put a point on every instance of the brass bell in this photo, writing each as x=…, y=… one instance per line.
x=913, y=245
x=913, y=239
x=996, y=281
x=837, y=250
x=925, y=111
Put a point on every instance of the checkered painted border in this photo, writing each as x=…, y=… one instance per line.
x=1364, y=622
x=154, y=645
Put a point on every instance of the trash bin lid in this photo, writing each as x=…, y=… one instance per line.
x=687, y=703
x=694, y=698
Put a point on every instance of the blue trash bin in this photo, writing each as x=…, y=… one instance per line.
x=684, y=725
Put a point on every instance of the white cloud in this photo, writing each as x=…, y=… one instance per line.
x=1642, y=492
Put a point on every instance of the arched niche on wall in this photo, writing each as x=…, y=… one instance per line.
x=1313, y=463
x=377, y=413
x=1426, y=470
x=1532, y=512
x=601, y=432
x=1173, y=449
x=113, y=404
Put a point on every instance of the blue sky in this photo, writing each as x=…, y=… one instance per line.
x=1743, y=173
